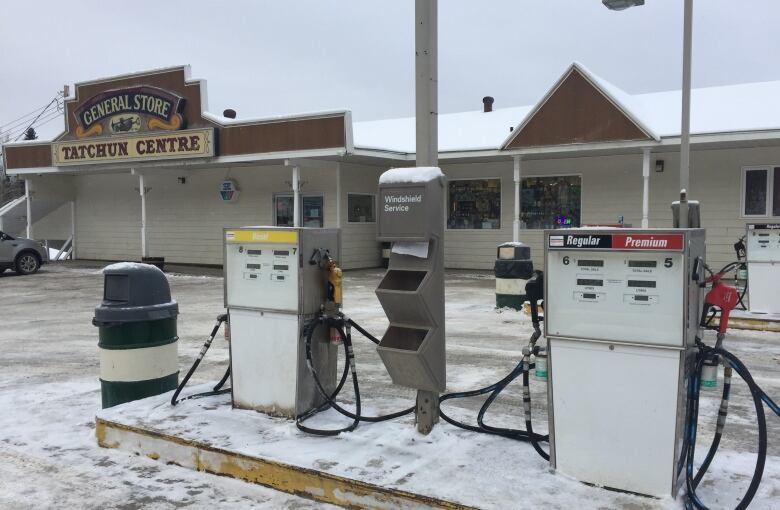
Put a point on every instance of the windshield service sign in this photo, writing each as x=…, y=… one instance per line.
x=673, y=242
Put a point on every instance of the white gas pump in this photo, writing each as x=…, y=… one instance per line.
x=621, y=317
x=273, y=286
x=763, y=263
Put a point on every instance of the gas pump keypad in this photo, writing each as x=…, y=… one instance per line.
x=641, y=293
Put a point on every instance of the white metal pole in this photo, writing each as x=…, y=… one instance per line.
x=685, y=131
x=28, y=196
x=338, y=195
x=645, y=188
x=142, y=191
x=73, y=230
x=516, y=221
x=426, y=82
x=296, y=179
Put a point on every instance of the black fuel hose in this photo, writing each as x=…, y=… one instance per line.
x=759, y=399
x=330, y=401
x=350, y=362
x=494, y=390
x=175, y=398
x=363, y=331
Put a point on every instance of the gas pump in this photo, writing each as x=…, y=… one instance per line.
x=763, y=267
x=276, y=281
x=621, y=318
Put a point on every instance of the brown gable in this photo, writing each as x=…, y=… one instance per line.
x=576, y=112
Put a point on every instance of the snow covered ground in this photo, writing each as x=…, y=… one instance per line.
x=49, y=394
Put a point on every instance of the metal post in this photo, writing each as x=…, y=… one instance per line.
x=426, y=82
x=645, y=187
x=516, y=221
x=142, y=192
x=296, y=184
x=73, y=230
x=685, y=131
x=427, y=147
x=28, y=197
x=338, y=195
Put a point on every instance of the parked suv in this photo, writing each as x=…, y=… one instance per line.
x=24, y=256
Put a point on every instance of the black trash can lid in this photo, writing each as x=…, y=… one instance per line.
x=134, y=292
x=518, y=250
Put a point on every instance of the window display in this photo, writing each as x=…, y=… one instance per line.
x=474, y=204
x=551, y=202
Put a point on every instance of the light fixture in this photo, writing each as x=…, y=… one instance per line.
x=659, y=165
x=619, y=5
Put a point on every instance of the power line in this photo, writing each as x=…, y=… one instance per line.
x=20, y=120
x=45, y=119
x=53, y=101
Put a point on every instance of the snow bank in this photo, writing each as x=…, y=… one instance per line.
x=414, y=174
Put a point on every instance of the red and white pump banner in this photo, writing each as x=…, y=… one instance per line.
x=638, y=241
x=648, y=242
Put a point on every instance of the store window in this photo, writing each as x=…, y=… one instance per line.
x=551, y=202
x=361, y=208
x=761, y=191
x=311, y=211
x=474, y=204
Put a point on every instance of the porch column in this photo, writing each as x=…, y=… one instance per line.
x=142, y=192
x=338, y=195
x=645, y=187
x=516, y=221
x=28, y=197
x=296, y=179
x=72, y=230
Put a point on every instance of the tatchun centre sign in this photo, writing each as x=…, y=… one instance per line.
x=192, y=143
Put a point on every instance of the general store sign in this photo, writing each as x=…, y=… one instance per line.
x=191, y=143
x=130, y=109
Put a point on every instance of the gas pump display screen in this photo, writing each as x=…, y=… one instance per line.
x=649, y=284
x=590, y=263
x=280, y=267
x=642, y=263
x=590, y=283
x=642, y=297
x=254, y=252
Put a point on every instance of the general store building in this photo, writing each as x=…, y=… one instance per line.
x=143, y=168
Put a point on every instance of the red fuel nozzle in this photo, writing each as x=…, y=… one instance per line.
x=722, y=296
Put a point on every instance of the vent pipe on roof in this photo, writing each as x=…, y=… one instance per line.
x=229, y=113
x=487, y=104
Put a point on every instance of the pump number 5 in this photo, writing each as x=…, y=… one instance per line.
x=668, y=262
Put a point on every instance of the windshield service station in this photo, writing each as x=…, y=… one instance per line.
x=628, y=324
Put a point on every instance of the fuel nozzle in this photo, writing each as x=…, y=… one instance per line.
x=534, y=291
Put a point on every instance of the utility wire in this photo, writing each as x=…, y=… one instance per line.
x=21, y=119
x=45, y=119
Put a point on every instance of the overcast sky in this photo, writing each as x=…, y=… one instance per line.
x=287, y=56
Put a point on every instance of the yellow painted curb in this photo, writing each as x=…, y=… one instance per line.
x=304, y=482
x=751, y=324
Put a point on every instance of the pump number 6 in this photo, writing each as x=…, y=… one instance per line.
x=566, y=260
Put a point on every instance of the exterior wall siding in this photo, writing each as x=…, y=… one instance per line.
x=185, y=221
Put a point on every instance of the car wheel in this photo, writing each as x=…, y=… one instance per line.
x=27, y=263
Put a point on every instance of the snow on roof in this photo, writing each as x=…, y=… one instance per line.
x=465, y=131
x=723, y=109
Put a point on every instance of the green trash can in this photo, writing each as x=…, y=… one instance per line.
x=137, y=330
